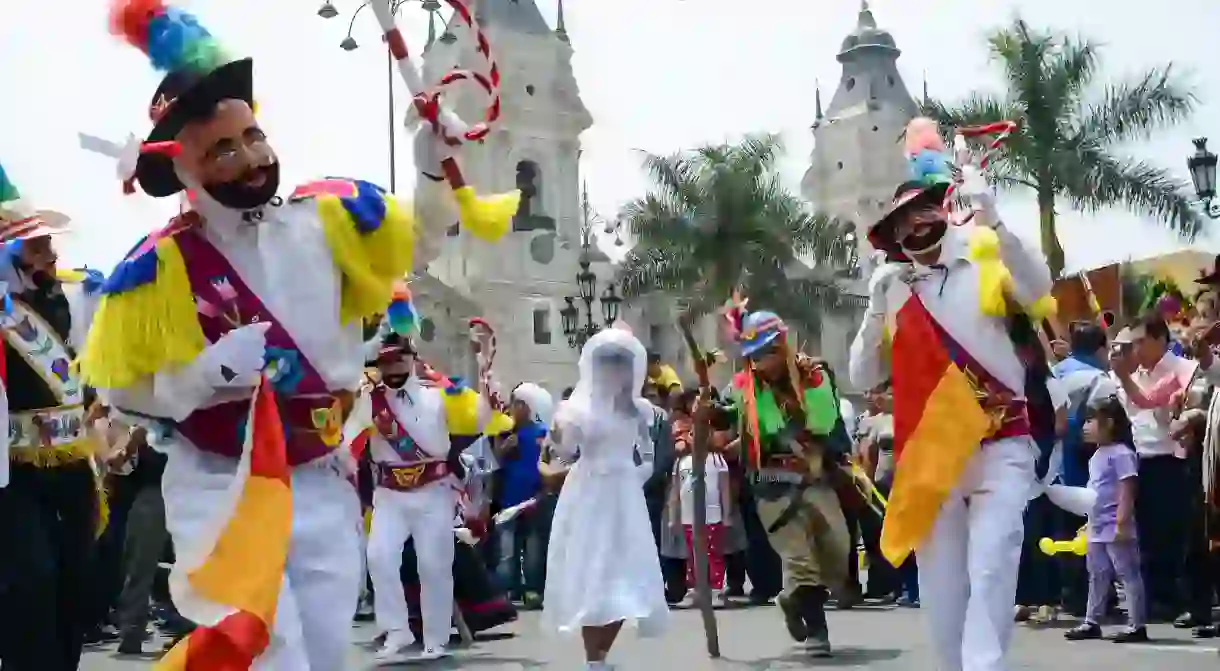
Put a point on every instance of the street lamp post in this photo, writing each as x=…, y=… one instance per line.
x=1202, y=167
x=586, y=282
x=329, y=11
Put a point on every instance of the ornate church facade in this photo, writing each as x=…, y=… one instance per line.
x=518, y=284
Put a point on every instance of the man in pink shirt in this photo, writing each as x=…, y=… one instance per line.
x=1153, y=383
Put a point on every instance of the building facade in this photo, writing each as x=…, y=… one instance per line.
x=518, y=283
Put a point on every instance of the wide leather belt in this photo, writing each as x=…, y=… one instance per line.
x=784, y=469
x=1009, y=421
x=409, y=477
x=46, y=428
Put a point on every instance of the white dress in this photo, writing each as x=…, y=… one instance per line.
x=602, y=563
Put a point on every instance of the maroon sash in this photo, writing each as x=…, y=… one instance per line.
x=416, y=468
x=224, y=302
x=1009, y=413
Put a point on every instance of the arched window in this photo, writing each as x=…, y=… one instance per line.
x=530, y=216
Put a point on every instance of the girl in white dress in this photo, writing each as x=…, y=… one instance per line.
x=602, y=566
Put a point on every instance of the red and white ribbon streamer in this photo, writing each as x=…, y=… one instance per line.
x=427, y=101
x=1000, y=129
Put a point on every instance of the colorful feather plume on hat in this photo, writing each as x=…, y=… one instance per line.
x=8, y=191
x=172, y=39
x=401, y=314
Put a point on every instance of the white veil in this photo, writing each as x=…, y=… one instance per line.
x=592, y=399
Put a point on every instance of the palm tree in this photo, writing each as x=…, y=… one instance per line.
x=719, y=218
x=1066, y=144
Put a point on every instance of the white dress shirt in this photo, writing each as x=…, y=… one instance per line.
x=951, y=295
x=285, y=260
x=421, y=412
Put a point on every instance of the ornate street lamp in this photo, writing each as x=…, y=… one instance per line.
x=610, y=304
x=1202, y=167
x=349, y=43
x=586, y=285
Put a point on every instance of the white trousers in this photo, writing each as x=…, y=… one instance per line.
x=322, y=576
x=425, y=514
x=968, y=564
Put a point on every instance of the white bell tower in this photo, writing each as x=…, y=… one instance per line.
x=519, y=283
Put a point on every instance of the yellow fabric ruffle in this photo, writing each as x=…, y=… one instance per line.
x=995, y=280
x=149, y=328
x=462, y=412
x=486, y=218
x=51, y=457
x=498, y=424
x=370, y=262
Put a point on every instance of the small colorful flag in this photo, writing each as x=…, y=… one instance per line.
x=232, y=594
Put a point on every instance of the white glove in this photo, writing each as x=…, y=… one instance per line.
x=879, y=285
x=237, y=358
x=982, y=198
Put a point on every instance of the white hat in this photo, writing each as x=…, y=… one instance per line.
x=20, y=221
x=539, y=400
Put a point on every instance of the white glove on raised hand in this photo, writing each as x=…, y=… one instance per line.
x=879, y=285
x=237, y=358
x=982, y=197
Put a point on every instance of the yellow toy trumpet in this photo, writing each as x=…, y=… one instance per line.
x=1076, y=546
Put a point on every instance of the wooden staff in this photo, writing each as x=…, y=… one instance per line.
x=703, y=590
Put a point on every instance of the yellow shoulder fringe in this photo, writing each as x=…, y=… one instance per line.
x=995, y=280
x=462, y=412
x=154, y=327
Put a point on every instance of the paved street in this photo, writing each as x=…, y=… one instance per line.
x=753, y=640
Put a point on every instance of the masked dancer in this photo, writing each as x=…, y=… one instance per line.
x=49, y=495
x=205, y=307
x=788, y=409
x=938, y=320
x=417, y=433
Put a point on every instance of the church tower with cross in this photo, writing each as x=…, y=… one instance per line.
x=518, y=283
x=857, y=156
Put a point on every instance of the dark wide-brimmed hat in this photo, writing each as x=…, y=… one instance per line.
x=1210, y=278
x=908, y=196
x=185, y=95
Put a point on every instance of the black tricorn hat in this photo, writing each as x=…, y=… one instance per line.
x=908, y=195
x=184, y=95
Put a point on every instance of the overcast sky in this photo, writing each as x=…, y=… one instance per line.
x=658, y=75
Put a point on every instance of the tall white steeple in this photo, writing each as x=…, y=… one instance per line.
x=520, y=281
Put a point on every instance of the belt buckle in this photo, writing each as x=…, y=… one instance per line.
x=407, y=477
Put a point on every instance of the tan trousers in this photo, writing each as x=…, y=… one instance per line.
x=813, y=544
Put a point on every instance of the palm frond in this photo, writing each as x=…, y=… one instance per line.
x=655, y=222
x=976, y=110
x=675, y=176
x=646, y=270
x=1134, y=110
x=1101, y=180
x=1069, y=73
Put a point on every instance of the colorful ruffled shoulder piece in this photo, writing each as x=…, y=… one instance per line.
x=145, y=320
x=462, y=416
x=371, y=238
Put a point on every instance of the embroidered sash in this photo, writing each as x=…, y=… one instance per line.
x=313, y=416
x=46, y=353
x=417, y=467
x=1009, y=415
x=33, y=338
x=392, y=430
